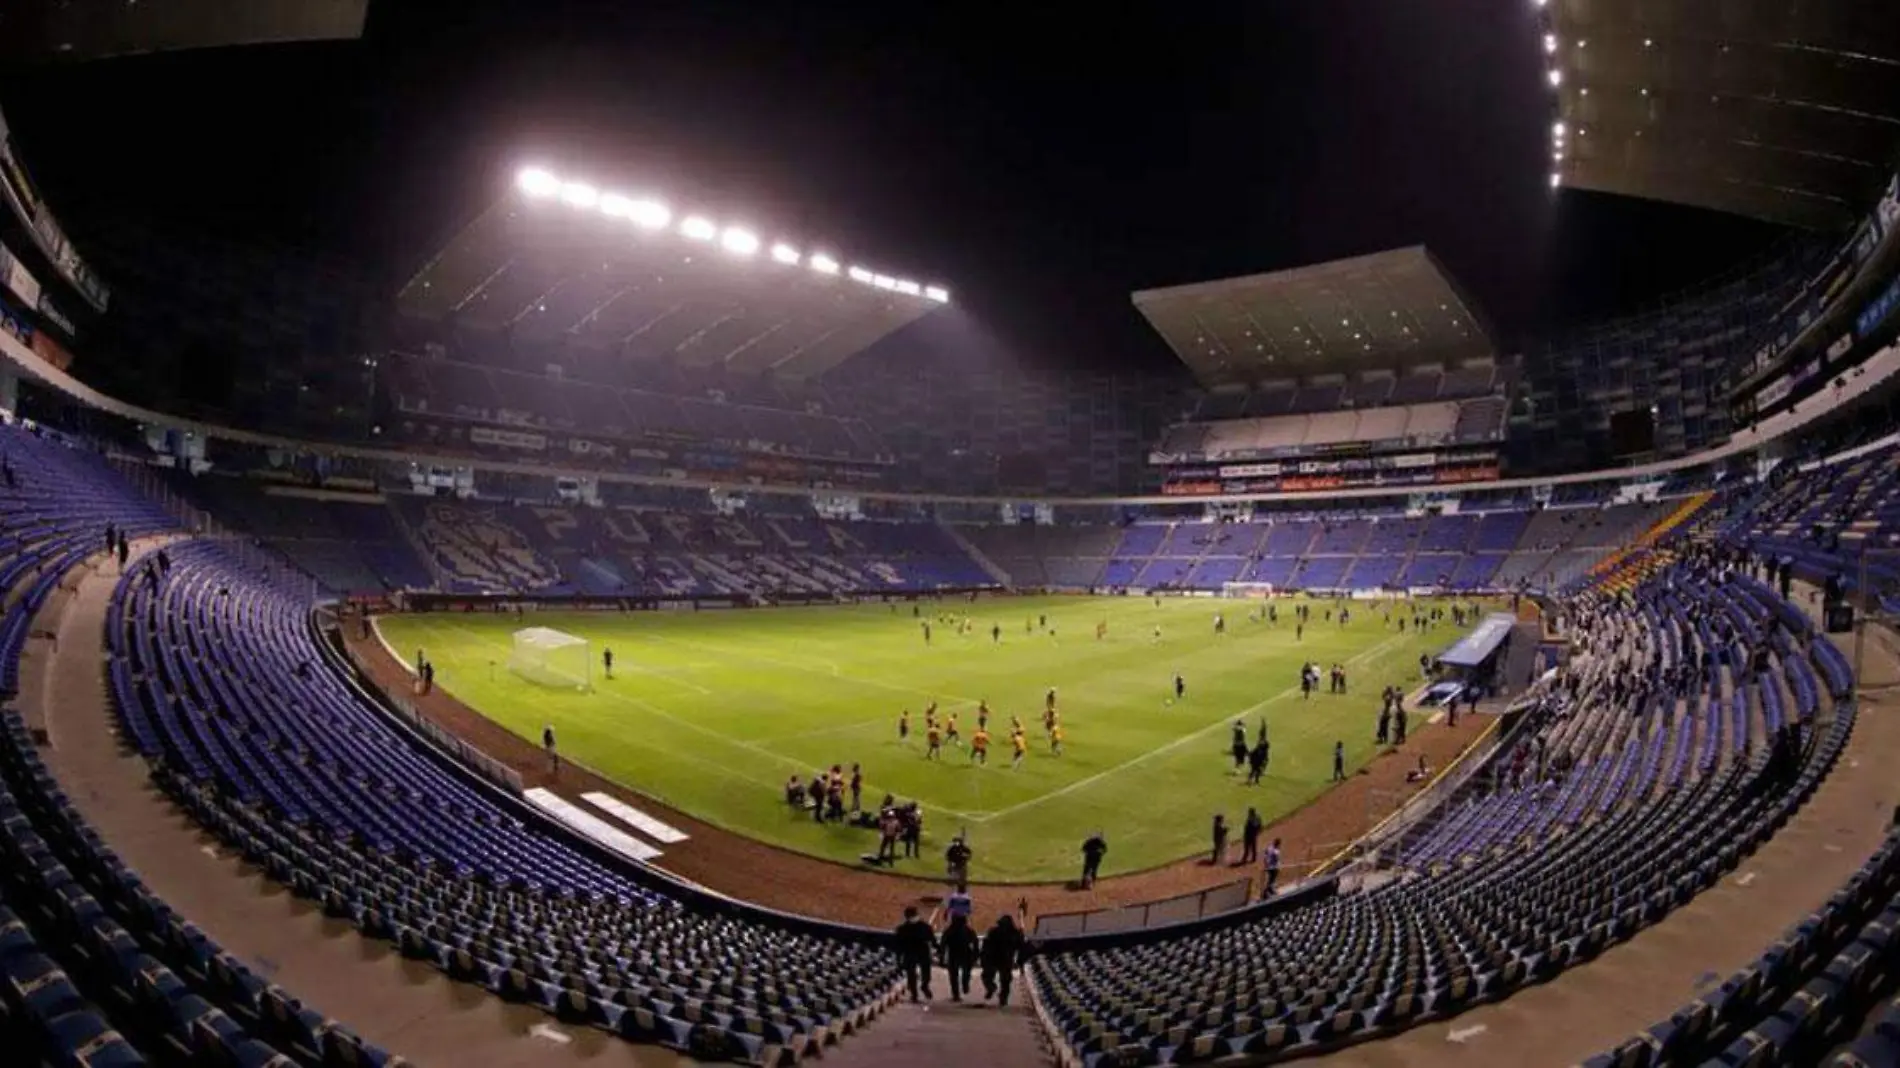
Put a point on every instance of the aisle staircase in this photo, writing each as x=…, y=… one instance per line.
x=1649, y=539
x=981, y=558
x=945, y=1034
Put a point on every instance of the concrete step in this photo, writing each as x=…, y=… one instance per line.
x=945, y=1033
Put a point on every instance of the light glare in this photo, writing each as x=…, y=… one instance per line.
x=580, y=194
x=785, y=254
x=823, y=264
x=1555, y=179
x=859, y=274
x=649, y=213
x=1556, y=77
x=937, y=293
x=697, y=228
x=615, y=206
x=738, y=241
x=908, y=287
x=1550, y=43
x=1558, y=130
x=537, y=183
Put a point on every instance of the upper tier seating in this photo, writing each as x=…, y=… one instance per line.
x=1422, y=424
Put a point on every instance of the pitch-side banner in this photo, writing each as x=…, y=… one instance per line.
x=26, y=203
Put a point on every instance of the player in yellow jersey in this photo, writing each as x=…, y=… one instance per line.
x=903, y=726
x=980, y=747
x=1055, y=739
x=930, y=715
x=950, y=729
x=933, y=743
x=1021, y=744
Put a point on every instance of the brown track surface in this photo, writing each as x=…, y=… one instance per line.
x=779, y=878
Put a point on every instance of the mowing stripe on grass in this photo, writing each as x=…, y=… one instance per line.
x=1171, y=746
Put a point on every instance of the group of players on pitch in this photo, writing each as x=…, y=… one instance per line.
x=942, y=728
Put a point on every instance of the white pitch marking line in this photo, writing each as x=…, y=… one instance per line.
x=1177, y=743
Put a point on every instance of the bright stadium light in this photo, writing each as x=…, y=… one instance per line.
x=697, y=228
x=823, y=264
x=883, y=281
x=908, y=287
x=784, y=253
x=937, y=293
x=1556, y=77
x=615, y=206
x=859, y=274
x=1550, y=44
x=1556, y=179
x=580, y=194
x=650, y=214
x=537, y=183
x=1558, y=130
x=738, y=241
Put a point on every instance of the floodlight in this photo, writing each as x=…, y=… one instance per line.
x=1557, y=130
x=649, y=213
x=937, y=293
x=859, y=274
x=739, y=242
x=615, y=206
x=823, y=264
x=537, y=183
x=1555, y=179
x=1550, y=43
x=580, y=194
x=908, y=287
x=785, y=254
x=698, y=228
x=1556, y=77
x=883, y=281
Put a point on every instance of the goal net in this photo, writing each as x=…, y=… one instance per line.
x=548, y=657
x=1246, y=589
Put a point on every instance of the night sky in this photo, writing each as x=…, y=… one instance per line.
x=1043, y=161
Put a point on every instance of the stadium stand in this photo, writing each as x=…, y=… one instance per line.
x=1646, y=838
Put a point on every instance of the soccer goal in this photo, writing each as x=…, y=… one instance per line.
x=1246, y=589
x=548, y=657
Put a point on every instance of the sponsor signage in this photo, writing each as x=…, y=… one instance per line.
x=1841, y=347
x=26, y=203
x=18, y=280
x=1877, y=312
x=53, y=315
x=513, y=439
x=1774, y=392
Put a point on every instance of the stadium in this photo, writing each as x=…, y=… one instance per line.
x=497, y=571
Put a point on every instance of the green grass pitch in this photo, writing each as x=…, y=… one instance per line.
x=712, y=711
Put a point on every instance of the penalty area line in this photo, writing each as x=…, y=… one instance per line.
x=1176, y=744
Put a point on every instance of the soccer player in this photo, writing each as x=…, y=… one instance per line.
x=1049, y=700
x=1055, y=739
x=926, y=632
x=950, y=729
x=996, y=634
x=1020, y=743
x=1339, y=761
x=1101, y=630
x=1239, y=746
x=607, y=662
x=980, y=747
x=1180, y=687
x=982, y=716
x=1157, y=637
x=903, y=726
x=1220, y=624
x=1049, y=717
x=933, y=742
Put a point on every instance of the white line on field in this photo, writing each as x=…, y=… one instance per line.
x=649, y=706
x=1171, y=746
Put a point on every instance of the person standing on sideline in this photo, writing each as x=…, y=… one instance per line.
x=960, y=952
x=915, y=943
x=547, y=744
x=1220, y=839
x=124, y=551
x=1339, y=761
x=857, y=788
x=1398, y=724
x=1273, y=869
x=1250, y=837
x=1093, y=851
x=1002, y=952
x=1239, y=745
x=607, y=662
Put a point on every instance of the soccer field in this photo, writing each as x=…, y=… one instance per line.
x=712, y=711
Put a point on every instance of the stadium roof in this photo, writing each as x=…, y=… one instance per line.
x=1384, y=311
x=1783, y=111
x=43, y=30
x=561, y=259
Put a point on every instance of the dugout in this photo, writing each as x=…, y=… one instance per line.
x=1475, y=661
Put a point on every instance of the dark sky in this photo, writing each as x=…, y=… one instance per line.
x=1042, y=160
